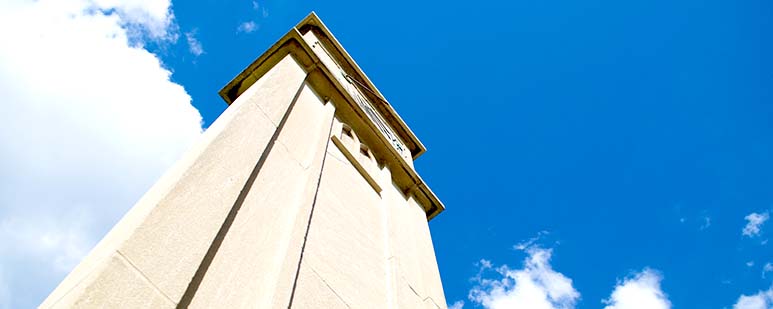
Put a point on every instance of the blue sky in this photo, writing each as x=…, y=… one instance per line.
x=631, y=141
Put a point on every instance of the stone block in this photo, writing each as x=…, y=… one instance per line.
x=97, y=289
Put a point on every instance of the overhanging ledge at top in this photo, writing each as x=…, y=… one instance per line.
x=231, y=90
x=294, y=43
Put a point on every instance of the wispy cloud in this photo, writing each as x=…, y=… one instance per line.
x=754, y=223
x=706, y=223
x=768, y=267
x=248, y=27
x=251, y=26
x=522, y=246
x=194, y=45
x=641, y=291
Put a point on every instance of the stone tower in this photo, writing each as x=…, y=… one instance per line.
x=301, y=195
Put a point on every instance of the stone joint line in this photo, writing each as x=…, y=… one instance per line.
x=330, y=287
x=311, y=214
x=144, y=277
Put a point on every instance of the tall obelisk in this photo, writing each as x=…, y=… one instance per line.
x=301, y=195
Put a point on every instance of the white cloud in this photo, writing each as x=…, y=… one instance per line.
x=485, y=264
x=194, y=46
x=706, y=223
x=538, y=286
x=248, y=27
x=768, y=267
x=642, y=291
x=761, y=300
x=754, y=223
x=531, y=241
x=5, y=295
x=252, y=26
x=535, y=286
x=150, y=17
x=457, y=305
x=61, y=240
x=90, y=120
x=749, y=263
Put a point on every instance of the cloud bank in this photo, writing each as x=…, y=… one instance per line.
x=538, y=286
x=90, y=121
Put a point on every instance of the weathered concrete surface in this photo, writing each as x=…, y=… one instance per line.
x=253, y=253
x=345, y=238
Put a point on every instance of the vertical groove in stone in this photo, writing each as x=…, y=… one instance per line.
x=311, y=214
x=223, y=231
x=386, y=201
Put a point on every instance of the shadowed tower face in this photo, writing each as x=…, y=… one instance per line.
x=301, y=195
